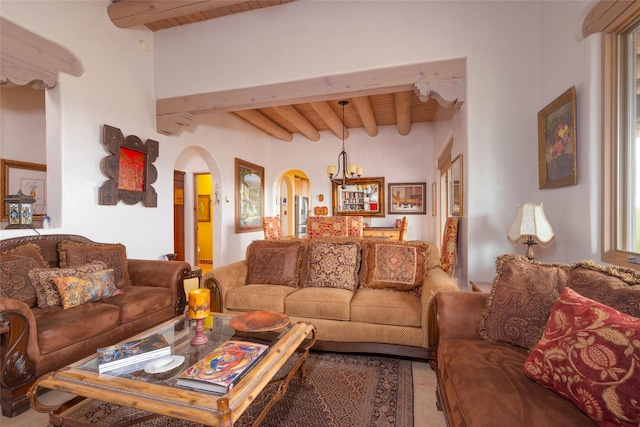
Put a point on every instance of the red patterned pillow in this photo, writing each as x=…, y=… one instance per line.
x=590, y=355
x=395, y=265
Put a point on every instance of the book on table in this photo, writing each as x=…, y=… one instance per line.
x=132, y=353
x=221, y=369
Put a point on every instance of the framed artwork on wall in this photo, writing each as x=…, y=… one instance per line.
x=129, y=169
x=249, y=186
x=456, y=190
x=365, y=198
x=407, y=198
x=204, y=208
x=31, y=178
x=557, y=165
x=434, y=195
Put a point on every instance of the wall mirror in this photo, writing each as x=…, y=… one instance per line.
x=455, y=187
x=365, y=197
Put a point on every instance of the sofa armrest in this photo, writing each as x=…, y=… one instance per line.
x=19, y=350
x=163, y=274
x=436, y=281
x=221, y=279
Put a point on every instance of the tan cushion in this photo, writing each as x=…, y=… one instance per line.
x=617, y=287
x=274, y=262
x=112, y=254
x=386, y=307
x=46, y=291
x=521, y=300
x=319, y=303
x=333, y=264
x=395, y=265
x=257, y=297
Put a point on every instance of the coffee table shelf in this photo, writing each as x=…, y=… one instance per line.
x=165, y=399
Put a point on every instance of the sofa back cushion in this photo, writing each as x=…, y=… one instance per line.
x=521, y=300
x=590, y=354
x=114, y=255
x=15, y=265
x=617, y=287
x=394, y=265
x=333, y=264
x=274, y=262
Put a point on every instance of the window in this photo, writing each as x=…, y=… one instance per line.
x=621, y=145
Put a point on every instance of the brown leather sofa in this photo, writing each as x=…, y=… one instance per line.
x=36, y=341
x=481, y=379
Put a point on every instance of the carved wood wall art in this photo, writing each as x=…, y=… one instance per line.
x=130, y=169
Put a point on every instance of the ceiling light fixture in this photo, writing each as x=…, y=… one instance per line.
x=351, y=172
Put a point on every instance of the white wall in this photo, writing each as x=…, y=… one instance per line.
x=22, y=124
x=520, y=56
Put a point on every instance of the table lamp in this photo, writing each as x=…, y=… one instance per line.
x=199, y=310
x=532, y=226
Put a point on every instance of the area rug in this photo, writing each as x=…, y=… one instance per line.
x=345, y=390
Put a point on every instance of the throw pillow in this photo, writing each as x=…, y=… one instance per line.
x=113, y=255
x=395, y=265
x=274, y=262
x=333, y=265
x=617, y=287
x=87, y=287
x=521, y=299
x=47, y=294
x=590, y=355
x=15, y=264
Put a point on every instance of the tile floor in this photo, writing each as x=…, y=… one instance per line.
x=424, y=408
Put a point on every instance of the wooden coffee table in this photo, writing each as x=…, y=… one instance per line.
x=158, y=394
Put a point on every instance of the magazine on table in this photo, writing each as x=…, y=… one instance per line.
x=132, y=353
x=221, y=369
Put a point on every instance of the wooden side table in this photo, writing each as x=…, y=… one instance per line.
x=480, y=286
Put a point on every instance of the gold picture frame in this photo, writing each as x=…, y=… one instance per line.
x=31, y=178
x=364, y=197
x=557, y=158
x=249, y=186
x=407, y=198
x=204, y=208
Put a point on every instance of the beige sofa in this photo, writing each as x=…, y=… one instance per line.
x=363, y=295
x=40, y=334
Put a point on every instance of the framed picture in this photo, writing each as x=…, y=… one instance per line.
x=408, y=198
x=364, y=197
x=434, y=195
x=455, y=191
x=204, y=208
x=31, y=178
x=129, y=169
x=557, y=164
x=249, y=196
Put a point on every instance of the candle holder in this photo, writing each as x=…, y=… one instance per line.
x=199, y=310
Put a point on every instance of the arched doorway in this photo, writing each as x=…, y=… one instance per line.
x=294, y=201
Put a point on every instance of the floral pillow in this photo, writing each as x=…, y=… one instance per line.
x=333, y=264
x=590, y=355
x=47, y=294
x=87, y=287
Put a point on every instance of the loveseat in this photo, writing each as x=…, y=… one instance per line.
x=363, y=295
x=64, y=296
x=551, y=345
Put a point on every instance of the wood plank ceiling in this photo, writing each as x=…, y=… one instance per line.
x=400, y=107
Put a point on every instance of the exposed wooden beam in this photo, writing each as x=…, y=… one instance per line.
x=609, y=16
x=298, y=120
x=329, y=116
x=403, y=112
x=363, y=107
x=129, y=13
x=261, y=122
x=171, y=124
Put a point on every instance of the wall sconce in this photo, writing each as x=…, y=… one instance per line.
x=215, y=197
x=20, y=209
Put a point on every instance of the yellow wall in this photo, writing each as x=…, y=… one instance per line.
x=204, y=185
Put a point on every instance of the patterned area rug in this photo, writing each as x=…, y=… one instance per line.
x=346, y=390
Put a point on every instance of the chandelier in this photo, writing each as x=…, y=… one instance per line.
x=351, y=172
